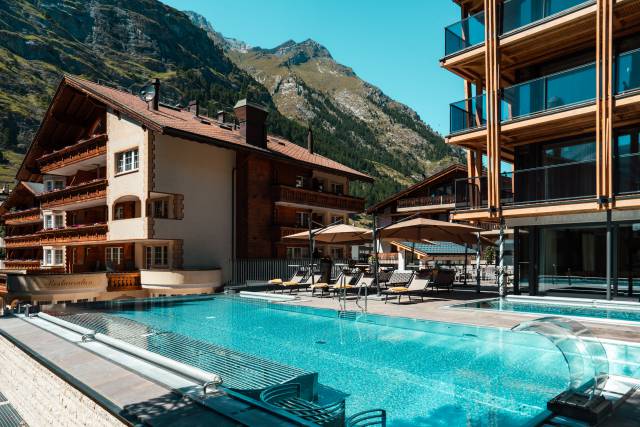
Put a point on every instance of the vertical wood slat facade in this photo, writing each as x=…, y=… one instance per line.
x=604, y=99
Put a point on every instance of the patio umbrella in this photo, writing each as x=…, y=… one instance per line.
x=420, y=229
x=338, y=234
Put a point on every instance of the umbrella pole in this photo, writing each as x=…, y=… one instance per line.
x=478, y=251
x=311, y=252
x=466, y=258
x=501, y=279
x=375, y=253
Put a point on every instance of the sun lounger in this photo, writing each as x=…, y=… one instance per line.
x=324, y=287
x=287, y=397
x=349, y=283
x=442, y=278
x=415, y=287
x=300, y=280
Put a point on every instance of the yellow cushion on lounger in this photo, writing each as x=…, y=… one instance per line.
x=399, y=289
x=345, y=286
x=275, y=282
x=320, y=285
x=290, y=283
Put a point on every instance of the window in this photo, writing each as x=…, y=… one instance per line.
x=156, y=256
x=53, y=221
x=114, y=255
x=119, y=213
x=337, y=252
x=53, y=257
x=299, y=252
x=160, y=209
x=302, y=219
x=336, y=218
x=301, y=181
x=127, y=161
x=337, y=188
x=54, y=184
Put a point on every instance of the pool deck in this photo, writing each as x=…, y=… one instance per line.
x=435, y=308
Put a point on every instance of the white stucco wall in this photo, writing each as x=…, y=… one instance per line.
x=124, y=135
x=203, y=175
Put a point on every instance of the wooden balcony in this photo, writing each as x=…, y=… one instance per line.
x=123, y=281
x=22, y=217
x=25, y=241
x=309, y=198
x=76, y=234
x=431, y=202
x=85, y=193
x=78, y=153
x=18, y=264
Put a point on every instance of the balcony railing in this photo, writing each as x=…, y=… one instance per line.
x=416, y=202
x=628, y=72
x=25, y=241
x=627, y=177
x=567, y=88
x=568, y=181
x=468, y=114
x=521, y=13
x=471, y=193
x=464, y=34
x=82, y=150
x=123, y=281
x=22, y=217
x=301, y=196
x=75, y=234
x=88, y=191
x=16, y=264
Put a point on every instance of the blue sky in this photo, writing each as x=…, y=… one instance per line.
x=394, y=45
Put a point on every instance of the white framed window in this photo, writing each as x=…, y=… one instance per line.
x=53, y=256
x=297, y=252
x=160, y=208
x=127, y=161
x=119, y=213
x=52, y=220
x=302, y=219
x=114, y=254
x=52, y=184
x=156, y=256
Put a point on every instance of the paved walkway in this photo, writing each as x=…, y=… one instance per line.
x=435, y=308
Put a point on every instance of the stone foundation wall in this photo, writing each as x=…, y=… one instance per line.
x=44, y=399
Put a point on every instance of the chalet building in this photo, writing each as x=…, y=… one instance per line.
x=553, y=88
x=434, y=197
x=119, y=197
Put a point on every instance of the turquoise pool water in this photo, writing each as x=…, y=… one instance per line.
x=423, y=373
x=628, y=314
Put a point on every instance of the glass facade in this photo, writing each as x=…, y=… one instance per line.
x=467, y=114
x=463, y=34
x=628, y=71
x=627, y=161
x=520, y=13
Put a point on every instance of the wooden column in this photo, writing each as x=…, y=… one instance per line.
x=492, y=72
x=604, y=99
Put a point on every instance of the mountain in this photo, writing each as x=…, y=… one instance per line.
x=126, y=42
x=309, y=86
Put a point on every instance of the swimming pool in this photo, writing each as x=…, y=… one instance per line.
x=422, y=373
x=575, y=307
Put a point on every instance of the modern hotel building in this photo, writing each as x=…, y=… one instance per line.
x=552, y=87
x=119, y=197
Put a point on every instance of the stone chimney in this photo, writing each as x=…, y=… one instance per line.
x=252, y=118
x=310, y=140
x=156, y=96
x=194, y=108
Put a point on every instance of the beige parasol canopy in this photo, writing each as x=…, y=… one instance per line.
x=421, y=229
x=339, y=234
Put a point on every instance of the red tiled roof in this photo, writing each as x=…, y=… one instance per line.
x=184, y=124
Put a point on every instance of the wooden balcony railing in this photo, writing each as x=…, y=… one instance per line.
x=82, y=150
x=416, y=202
x=24, y=241
x=301, y=196
x=87, y=191
x=75, y=234
x=19, y=264
x=22, y=217
x=123, y=281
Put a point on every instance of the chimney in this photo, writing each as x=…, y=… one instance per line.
x=252, y=118
x=156, y=95
x=310, y=140
x=194, y=108
x=221, y=116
